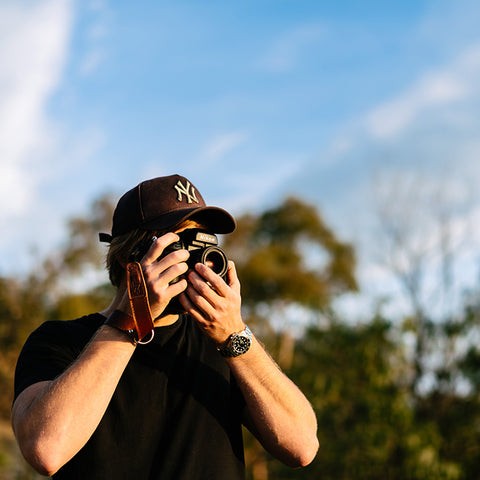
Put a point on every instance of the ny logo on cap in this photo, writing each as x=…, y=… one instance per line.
x=187, y=190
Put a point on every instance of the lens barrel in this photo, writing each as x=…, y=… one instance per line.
x=213, y=257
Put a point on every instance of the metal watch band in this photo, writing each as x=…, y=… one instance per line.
x=237, y=344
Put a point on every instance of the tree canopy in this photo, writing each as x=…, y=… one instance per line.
x=363, y=378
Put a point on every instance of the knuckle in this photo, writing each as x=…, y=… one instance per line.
x=177, y=256
x=147, y=275
x=179, y=287
x=182, y=254
x=157, y=292
x=165, y=240
x=203, y=288
x=179, y=268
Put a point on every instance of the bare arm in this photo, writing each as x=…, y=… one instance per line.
x=53, y=420
x=277, y=411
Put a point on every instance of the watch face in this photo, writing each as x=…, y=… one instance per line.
x=241, y=344
x=238, y=344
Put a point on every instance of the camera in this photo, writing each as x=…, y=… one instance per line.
x=203, y=248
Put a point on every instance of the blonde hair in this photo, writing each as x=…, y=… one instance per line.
x=122, y=247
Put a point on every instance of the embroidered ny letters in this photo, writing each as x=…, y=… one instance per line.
x=186, y=190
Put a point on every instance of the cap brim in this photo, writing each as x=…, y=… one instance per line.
x=215, y=219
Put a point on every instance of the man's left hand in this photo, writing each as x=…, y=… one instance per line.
x=214, y=304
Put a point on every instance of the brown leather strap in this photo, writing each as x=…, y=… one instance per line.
x=125, y=323
x=137, y=293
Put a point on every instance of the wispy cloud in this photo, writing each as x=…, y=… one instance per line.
x=432, y=91
x=221, y=145
x=96, y=33
x=91, y=62
x=285, y=52
x=434, y=118
x=33, y=46
x=428, y=132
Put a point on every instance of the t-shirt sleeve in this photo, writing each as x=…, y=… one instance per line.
x=44, y=356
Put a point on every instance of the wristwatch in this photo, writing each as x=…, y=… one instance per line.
x=237, y=344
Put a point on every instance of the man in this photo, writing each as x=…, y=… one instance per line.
x=157, y=385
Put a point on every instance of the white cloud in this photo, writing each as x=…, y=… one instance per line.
x=259, y=188
x=434, y=90
x=221, y=145
x=285, y=52
x=96, y=33
x=33, y=46
x=429, y=132
x=91, y=62
x=434, y=121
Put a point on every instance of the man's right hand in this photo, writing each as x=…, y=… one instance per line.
x=159, y=274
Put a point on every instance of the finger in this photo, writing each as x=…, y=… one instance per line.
x=232, y=276
x=204, y=288
x=198, y=315
x=161, y=297
x=189, y=307
x=202, y=296
x=204, y=274
x=169, y=275
x=158, y=246
x=171, y=260
x=177, y=288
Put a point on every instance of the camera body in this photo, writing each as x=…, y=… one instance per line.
x=203, y=248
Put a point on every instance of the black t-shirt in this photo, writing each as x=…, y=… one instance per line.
x=175, y=414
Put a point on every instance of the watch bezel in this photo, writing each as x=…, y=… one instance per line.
x=238, y=343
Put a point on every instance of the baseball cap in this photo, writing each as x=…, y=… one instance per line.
x=161, y=203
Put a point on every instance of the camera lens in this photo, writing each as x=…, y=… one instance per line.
x=216, y=259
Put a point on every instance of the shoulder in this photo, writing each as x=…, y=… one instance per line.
x=60, y=339
x=51, y=348
x=79, y=329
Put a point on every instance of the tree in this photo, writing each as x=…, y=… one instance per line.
x=288, y=255
x=355, y=379
x=421, y=234
x=424, y=232
x=371, y=424
x=453, y=405
x=288, y=261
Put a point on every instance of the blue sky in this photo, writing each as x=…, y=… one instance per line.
x=252, y=100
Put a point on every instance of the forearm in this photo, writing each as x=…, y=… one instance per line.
x=280, y=415
x=53, y=420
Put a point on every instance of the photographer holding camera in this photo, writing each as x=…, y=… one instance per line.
x=158, y=385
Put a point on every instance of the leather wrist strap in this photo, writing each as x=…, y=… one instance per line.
x=137, y=293
x=124, y=322
x=138, y=325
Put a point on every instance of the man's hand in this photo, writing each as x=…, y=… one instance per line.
x=214, y=304
x=159, y=274
x=277, y=412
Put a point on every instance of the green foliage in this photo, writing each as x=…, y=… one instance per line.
x=83, y=248
x=367, y=430
x=43, y=295
x=289, y=254
x=75, y=305
x=22, y=308
x=373, y=422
